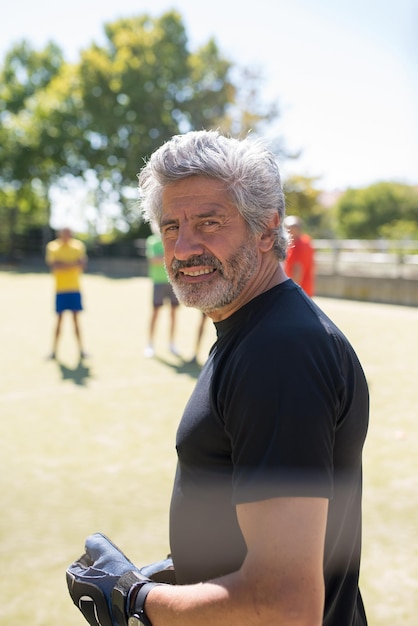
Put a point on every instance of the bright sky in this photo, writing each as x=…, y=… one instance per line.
x=343, y=72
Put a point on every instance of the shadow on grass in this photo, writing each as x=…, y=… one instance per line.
x=191, y=368
x=79, y=374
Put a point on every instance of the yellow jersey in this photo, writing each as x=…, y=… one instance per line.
x=67, y=279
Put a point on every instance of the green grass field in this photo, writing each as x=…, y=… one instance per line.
x=90, y=446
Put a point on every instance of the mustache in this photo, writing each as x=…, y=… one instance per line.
x=196, y=261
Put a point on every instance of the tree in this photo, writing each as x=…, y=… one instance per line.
x=368, y=213
x=248, y=112
x=98, y=119
x=303, y=200
x=25, y=72
x=139, y=89
x=24, y=161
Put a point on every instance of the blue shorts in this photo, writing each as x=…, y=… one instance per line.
x=69, y=301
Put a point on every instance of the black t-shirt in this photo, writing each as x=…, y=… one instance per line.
x=280, y=409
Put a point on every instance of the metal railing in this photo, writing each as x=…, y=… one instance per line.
x=358, y=257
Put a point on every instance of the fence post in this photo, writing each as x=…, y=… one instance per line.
x=335, y=256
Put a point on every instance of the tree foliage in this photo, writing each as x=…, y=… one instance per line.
x=385, y=209
x=25, y=158
x=303, y=199
x=142, y=87
x=100, y=118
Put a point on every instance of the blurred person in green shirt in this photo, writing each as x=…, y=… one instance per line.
x=162, y=292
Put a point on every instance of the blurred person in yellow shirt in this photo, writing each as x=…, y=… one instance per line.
x=67, y=260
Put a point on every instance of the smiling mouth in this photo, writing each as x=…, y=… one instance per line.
x=192, y=272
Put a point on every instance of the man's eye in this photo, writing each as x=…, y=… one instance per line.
x=169, y=228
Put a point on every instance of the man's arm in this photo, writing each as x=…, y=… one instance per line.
x=280, y=582
x=83, y=262
x=59, y=265
x=296, y=273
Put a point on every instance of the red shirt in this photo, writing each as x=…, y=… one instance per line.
x=301, y=254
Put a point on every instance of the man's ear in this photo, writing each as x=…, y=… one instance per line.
x=268, y=237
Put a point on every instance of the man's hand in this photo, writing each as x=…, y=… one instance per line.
x=92, y=578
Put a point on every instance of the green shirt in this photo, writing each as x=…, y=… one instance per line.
x=155, y=255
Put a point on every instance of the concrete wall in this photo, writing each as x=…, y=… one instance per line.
x=369, y=288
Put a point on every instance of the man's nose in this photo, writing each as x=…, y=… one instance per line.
x=188, y=243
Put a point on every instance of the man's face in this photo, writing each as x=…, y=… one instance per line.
x=65, y=234
x=210, y=254
x=294, y=232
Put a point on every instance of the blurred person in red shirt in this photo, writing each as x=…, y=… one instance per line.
x=300, y=262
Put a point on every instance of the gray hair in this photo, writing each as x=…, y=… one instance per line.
x=247, y=167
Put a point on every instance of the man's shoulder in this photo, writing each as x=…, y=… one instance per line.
x=52, y=248
x=306, y=240
x=76, y=244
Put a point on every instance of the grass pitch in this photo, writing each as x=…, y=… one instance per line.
x=89, y=446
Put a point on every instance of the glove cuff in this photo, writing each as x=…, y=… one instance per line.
x=136, y=605
x=122, y=594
